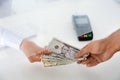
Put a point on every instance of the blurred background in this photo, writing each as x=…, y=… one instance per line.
x=10, y=7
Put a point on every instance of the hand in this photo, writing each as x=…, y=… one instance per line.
x=100, y=50
x=33, y=51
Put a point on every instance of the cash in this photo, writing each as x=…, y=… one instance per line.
x=62, y=54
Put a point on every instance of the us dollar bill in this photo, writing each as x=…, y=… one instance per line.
x=62, y=54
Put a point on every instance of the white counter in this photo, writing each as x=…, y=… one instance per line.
x=54, y=19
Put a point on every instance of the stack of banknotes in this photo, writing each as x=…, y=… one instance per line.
x=62, y=54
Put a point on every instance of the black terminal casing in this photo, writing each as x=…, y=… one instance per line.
x=82, y=27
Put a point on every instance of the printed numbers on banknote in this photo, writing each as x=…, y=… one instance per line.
x=62, y=54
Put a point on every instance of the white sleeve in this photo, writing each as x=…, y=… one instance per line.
x=10, y=39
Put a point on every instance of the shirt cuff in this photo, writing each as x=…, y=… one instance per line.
x=11, y=39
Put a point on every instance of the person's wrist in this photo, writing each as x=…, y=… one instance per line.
x=28, y=48
x=24, y=44
x=113, y=44
x=115, y=38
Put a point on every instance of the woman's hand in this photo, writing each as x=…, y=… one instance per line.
x=33, y=51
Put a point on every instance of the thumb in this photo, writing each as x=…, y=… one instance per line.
x=36, y=58
x=82, y=52
x=46, y=51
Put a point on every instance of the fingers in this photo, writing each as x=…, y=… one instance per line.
x=44, y=51
x=91, y=61
x=85, y=61
x=91, y=64
x=34, y=58
x=82, y=52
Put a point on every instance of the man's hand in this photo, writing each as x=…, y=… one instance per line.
x=100, y=50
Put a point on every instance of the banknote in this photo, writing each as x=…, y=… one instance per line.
x=62, y=54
